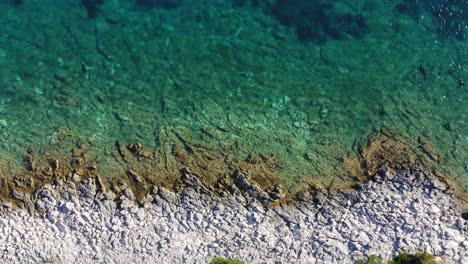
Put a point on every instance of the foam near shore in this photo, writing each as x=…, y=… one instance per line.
x=409, y=211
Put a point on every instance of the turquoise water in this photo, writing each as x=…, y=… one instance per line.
x=290, y=88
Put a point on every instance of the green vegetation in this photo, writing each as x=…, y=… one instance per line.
x=418, y=258
x=373, y=259
x=221, y=260
x=403, y=258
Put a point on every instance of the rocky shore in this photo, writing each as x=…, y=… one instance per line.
x=409, y=211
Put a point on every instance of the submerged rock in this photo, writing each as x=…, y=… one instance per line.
x=320, y=20
x=450, y=15
x=92, y=6
x=159, y=3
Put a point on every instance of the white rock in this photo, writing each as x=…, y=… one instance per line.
x=433, y=209
x=450, y=245
x=193, y=228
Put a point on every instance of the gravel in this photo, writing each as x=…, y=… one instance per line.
x=409, y=211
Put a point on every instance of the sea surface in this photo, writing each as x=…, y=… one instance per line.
x=288, y=88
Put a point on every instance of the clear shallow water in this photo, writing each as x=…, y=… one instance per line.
x=211, y=84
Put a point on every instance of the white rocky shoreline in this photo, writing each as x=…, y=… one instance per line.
x=411, y=212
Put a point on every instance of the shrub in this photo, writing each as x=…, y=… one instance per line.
x=220, y=260
x=403, y=258
x=418, y=258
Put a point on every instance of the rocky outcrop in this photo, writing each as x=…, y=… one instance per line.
x=405, y=211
